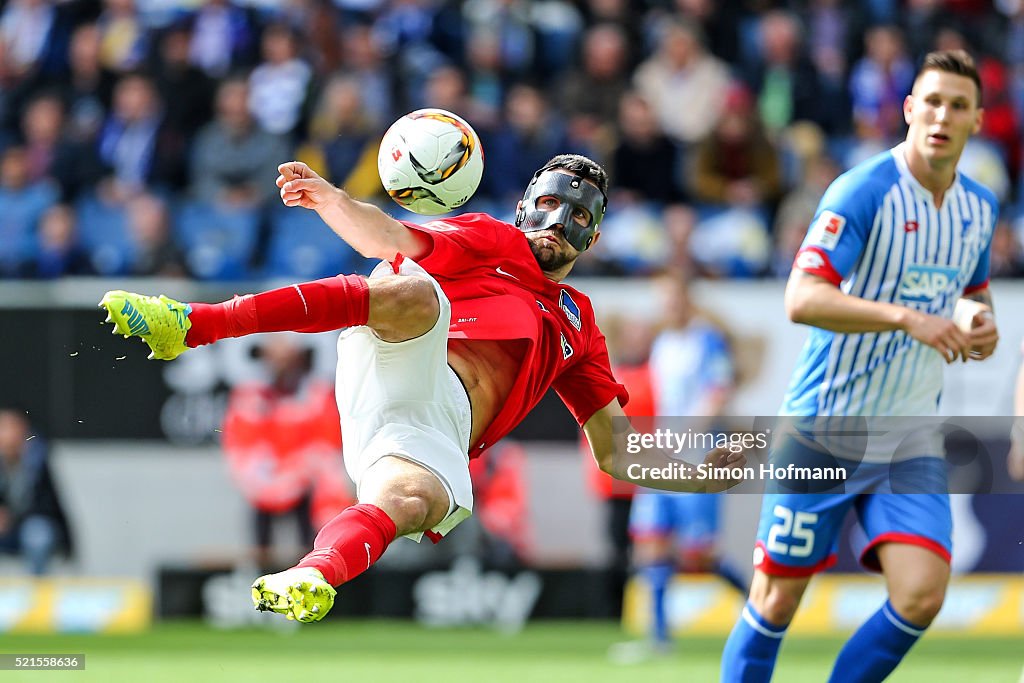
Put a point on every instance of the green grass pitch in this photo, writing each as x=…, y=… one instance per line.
x=382, y=651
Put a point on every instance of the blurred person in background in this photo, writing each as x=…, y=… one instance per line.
x=595, y=89
x=530, y=133
x=343, y=139
x=51, y=153
x=233, y=158
x=32, y=37
x=279, y=87
x=22, y=204
x=645, y=162
x=87, y=88
x=784, y=80
x=124, y=40
x=736, y=173
x=362, y=59
x=736, y=165
x=281, y=439
x=32, y=521
x=693, y=376
x=878, y=83
x=629, y=346
x=685, y=85
x=136, y=147
x=590, y=95
x=155, y=252
x=222, y=38
x=59, y=251
x=186, y=91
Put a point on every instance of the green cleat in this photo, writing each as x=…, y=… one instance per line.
x=300, y=594
x=158, y=321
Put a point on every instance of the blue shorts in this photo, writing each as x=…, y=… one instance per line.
x=689, y=519
x=798, y=534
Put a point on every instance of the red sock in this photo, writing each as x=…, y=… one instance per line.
x=350, y=543
x=318, y=306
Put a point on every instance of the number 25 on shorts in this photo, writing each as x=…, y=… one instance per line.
x=792, y=535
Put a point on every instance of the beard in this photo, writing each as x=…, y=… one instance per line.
x=550, y=256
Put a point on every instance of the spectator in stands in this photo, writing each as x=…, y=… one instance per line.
x=136, y=148
x=685, y=85
x=878, y=84
x=186, y=91
x=59, y=253
x=87, y=89
x=222, y=38
x=343, y=141
x=645, y=163
x=281, y=436
x=591, y=94
x=124, y=40
x=234, y=160
x=511, y=22
x=32, y=521
x=149, y=227
x=784, y=81
x=28, y=31
x=736, y=164
x=280, y=85
x=49, y=153
x=22, y=204
x=736, y=174
x=363, y=60
x=530, y=134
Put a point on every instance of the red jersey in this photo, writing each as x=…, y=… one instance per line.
x=498, y=292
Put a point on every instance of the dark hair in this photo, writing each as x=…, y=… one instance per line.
x=581, y=166
x=957, y=62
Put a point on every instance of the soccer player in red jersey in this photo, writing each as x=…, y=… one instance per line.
x=446, y=346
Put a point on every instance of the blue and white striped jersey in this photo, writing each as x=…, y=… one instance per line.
x=878, y=235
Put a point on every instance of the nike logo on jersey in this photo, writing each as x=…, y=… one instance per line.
x=924, y=283
x=369, y=561
x=505, y=273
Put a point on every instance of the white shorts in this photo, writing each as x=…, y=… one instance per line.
x=402, y=399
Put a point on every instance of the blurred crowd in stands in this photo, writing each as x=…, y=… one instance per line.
x=141, y=137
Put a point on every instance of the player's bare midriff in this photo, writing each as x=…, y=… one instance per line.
x=488, y=370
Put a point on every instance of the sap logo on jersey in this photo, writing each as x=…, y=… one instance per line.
x=571, y=310
x=924, y=283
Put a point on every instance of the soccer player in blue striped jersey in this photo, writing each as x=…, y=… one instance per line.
x=896, y=242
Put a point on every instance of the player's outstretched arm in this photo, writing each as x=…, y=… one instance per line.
x=366, y=228
x=813, y=300
x=620, y=452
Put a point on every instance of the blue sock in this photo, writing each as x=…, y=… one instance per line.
x=749, y=654
x=658, y=577
x=877, y=647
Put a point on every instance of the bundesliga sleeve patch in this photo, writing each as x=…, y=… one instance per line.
x=827, y=230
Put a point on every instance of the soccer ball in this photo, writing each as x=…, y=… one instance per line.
x=430, y=161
